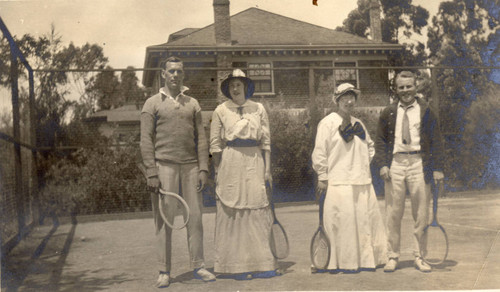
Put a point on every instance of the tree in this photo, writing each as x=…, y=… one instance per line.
x=129, y=87
x=465, y=33
x=401, y=21
x=104, y=89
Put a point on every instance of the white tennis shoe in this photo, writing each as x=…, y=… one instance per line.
x=421, y=265
x=204, y=275
x=163, y=281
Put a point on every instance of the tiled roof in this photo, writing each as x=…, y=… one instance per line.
x=254, y=26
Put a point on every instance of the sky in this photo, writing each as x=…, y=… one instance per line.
x=124, y=28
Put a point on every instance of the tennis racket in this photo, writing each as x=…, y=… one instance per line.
x=320, y=244
x=278, y=241
x=169, y=204
x=434, y=244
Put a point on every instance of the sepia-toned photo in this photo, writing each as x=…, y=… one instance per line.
x=250, y=145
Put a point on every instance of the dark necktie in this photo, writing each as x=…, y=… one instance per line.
x=406, y=127
x=240, y=111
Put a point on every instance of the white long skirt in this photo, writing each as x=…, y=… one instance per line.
x=242, y=240
x=355, y=227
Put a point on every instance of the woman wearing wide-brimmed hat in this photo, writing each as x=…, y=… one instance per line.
x=341, y=159
x=240, y=145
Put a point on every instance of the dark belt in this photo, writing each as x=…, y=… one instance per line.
x=243, y=143
x=411, y=152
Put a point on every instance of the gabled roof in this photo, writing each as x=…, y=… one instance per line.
x=256, y=29
x=254, y=26
x=181, y=33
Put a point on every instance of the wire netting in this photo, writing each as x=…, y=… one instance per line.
x=86, y=162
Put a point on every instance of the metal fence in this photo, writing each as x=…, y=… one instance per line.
x=90, y=167
x=18, y=188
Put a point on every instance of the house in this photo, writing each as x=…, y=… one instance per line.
x=289, y=60
x=282, y=55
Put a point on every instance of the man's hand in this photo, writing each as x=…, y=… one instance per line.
x=320, y=188
x=202, y=180
x=438, y=176
x=385, y=173
x=322, y=185
x=153, y=183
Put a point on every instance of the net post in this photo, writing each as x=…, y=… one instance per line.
x=14, y=74
x=34, y=149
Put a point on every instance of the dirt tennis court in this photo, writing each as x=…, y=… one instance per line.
x=116, y=253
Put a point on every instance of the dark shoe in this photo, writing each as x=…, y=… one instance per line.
x=243, y=276
x=267, y=274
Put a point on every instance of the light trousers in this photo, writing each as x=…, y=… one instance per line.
x=407, y=175
x=183, y=180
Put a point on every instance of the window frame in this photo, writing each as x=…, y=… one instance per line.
x=343, y=64
x=257, y=78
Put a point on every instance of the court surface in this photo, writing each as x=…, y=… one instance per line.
x=116, y=253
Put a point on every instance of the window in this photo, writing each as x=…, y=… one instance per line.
x=346, y=75
x=261, y=75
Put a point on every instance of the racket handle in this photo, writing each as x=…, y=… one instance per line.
x=142, y=168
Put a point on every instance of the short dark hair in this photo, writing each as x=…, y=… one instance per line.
x=405, y=74
x=172, y=59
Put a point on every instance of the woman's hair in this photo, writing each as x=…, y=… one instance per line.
x=245, y=87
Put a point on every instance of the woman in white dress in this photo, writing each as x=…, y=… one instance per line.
x=240, y=145
x=341, y=159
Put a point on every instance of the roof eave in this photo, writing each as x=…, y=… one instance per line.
x=148, y=74
x=375, y=46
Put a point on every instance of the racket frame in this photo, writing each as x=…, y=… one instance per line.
x=161, y=194
x=321, y=229
x=161, y=198
x=276, y=222
x=439, y=188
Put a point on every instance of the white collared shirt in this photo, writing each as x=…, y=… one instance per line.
x=414, y=118
x=166, y=92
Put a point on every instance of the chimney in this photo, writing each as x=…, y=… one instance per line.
x=222, y=23
x=375, y=24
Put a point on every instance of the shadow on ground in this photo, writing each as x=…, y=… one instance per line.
x=48, y=250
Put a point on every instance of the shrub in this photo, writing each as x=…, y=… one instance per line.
x=481, y=159
x=96, y=181
x=292, y=141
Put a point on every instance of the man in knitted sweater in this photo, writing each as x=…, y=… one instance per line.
x=175, y=152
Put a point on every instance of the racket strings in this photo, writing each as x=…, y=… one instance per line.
x=171, y=206
x=279, y=242
x=320, y=250
x=434, y=245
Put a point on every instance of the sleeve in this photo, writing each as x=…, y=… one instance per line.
x=201, y=139
x=370, y=143
x=437, y=149
x=319, y=155
x=147, y=138
x=381, y=142
x=215, y=132
x=265, y=141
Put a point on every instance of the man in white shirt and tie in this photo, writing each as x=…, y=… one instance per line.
x=409, y=153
